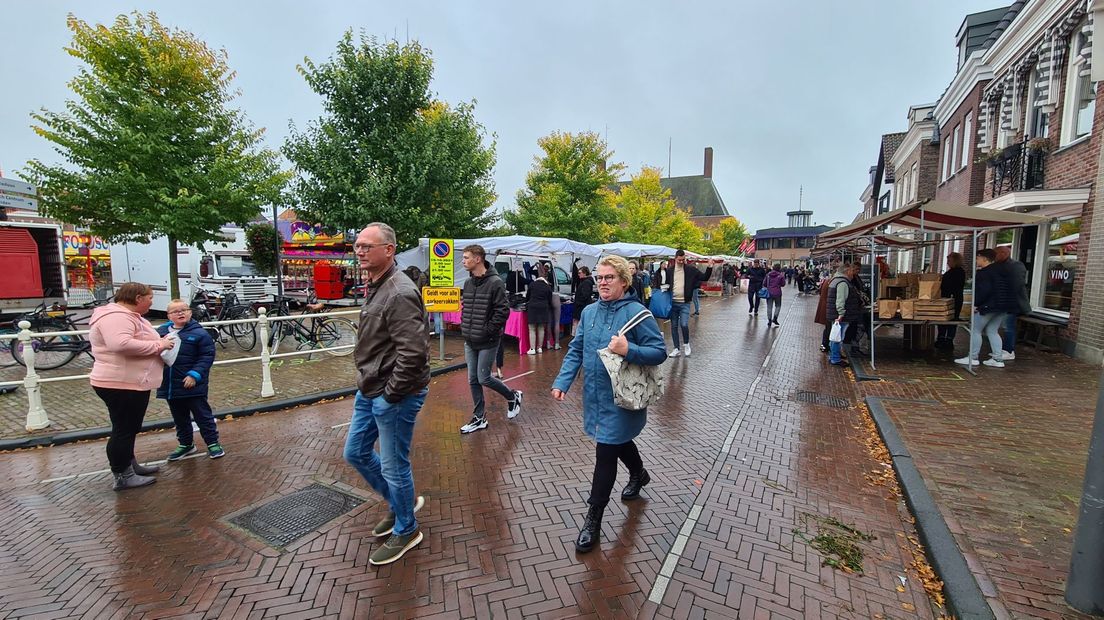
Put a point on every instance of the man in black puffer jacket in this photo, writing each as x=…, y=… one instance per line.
x=184, y=384
x=482, y=321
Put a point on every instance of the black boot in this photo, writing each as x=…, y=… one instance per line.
x=591, y=533
x=636, y=482
x=143, y=470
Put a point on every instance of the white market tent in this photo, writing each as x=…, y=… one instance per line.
x=928, y=216
x=512, y=245
x=635, y=250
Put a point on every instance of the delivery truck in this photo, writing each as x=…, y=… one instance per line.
x=32, y=262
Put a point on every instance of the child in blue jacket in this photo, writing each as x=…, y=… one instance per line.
x=184, y=384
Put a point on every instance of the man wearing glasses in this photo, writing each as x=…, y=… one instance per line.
x=392, y=361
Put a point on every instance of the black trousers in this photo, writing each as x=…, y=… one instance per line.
x=184, y=410
x=753, y=297
x=606, y=456
x=126, y=408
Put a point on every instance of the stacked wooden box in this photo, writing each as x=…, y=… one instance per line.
x=933, y=309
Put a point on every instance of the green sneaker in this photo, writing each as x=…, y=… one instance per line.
x=215, y=451
x=395, y=548
x=385, y=526
x=181, y=452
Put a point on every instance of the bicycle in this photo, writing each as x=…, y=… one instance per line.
x=243, y=334
x=51, y=351
x=323, y=332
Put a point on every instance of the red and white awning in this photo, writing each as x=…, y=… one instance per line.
x=933, y=217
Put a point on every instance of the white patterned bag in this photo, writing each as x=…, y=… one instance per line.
x=635, y=386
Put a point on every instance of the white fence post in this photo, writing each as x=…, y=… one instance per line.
x=36, y=414
x=266, y=355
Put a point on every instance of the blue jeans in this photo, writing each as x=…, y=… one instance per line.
x=697, y=302
x=438, y=322
x=389, y=471
x=989, y=324
x=1009, y=337
x=835, y=348
x=680, y=319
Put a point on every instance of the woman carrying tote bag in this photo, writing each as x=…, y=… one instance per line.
x=611, y=427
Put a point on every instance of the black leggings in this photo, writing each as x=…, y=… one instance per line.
x=126, y=408
x=605, y=468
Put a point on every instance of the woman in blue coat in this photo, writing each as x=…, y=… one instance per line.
x=612, y=427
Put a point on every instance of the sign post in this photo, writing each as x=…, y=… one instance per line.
x=441, y=295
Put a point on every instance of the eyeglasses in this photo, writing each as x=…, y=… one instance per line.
x=607, y=278
x=367, y=247
x=184, y=311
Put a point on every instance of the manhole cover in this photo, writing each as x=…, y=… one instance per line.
x=284, y=520
x=816, y=398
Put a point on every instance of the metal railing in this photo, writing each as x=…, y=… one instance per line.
x=1018, y=168
x=37, y=418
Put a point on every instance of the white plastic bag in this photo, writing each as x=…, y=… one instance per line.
x=635, y=387
x=169, y=355
x=836, y=334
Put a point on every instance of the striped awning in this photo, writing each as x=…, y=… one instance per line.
x=935, y=217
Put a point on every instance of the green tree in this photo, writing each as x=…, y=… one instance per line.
x=567, y=193
x=725, y=238
x=649, y=214
x=384, y=150
x=150, y=145
x=262, y=240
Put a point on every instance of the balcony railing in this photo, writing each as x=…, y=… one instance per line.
x=1018, y=168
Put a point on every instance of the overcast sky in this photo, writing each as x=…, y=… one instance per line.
x=787, y=93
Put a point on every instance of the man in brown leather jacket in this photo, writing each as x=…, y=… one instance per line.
x=392, y=361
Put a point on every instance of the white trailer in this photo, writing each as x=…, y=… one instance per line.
x=27, y=248
x=219, y=266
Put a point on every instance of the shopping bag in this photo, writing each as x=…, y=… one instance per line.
x=764, y=293
x=928, y=289
x=634, y=386
x=660, y=305
x=836, y=335
x=908, y=308
x=887, y=308
x=168, y=356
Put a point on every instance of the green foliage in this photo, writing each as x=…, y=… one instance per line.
x=261, y=240
x=567, y=193
x=149, y=145
x=649, y=214
x=384, y=150
x=725, y=238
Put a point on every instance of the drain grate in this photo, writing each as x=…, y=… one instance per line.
x=289, y=518
x=816, y=398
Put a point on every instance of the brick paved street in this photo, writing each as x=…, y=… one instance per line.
x=742, y=473
x=1004, y=455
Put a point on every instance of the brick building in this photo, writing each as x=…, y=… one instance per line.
x=916, y=166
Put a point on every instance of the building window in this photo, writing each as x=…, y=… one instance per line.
x=967, y=143
x=1080, y=97
x=883, y=203
x=946, y=160
x=1037, y=121
x=915, y=179
x=1061, y=263
x=782, y=244
x=954, y=149
x=762, y=244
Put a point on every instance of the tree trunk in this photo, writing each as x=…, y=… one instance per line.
x=174, y=281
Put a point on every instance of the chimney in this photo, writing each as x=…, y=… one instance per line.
x=708, y=173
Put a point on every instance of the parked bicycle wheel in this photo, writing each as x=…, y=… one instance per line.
x=50, y=352
x=6, y=358
x=337, y=332
x=244, y=334
x=278, y=332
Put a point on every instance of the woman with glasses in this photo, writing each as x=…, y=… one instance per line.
x=127, y=352
x=612, y=427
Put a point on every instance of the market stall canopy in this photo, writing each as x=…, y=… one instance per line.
x=861, y=244
x=936, y=217
x=635, y=250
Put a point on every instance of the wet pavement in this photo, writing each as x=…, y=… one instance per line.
x=745, y=475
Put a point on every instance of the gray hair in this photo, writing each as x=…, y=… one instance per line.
x=387, y=234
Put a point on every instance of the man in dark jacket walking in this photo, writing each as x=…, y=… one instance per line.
x=682, y=279
x=756, y=275
x=482, y=321
x=1016, y=272
x=184, y=382
x=392, y=362
x=993, y=300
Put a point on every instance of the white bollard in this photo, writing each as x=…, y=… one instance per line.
x=36, y=414
x=266, y=355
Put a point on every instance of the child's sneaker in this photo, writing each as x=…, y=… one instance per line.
x=215, y=451
x=181, y=452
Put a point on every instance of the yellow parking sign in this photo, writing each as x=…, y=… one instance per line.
x=440, y=263
x=446, y=299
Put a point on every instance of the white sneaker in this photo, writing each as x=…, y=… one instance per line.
x=531, y=352
x=686, y=350
x=498, y=373
x=994, y=362
x=966, y=360
x=675, y=353
x=1008, y=356
x=540, y=350
x=476, y=424
x=515, y=408
x=558, y=346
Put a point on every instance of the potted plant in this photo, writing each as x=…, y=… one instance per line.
x=1038, y=145
x=992, y=157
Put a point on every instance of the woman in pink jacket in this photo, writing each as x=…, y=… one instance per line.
x=128, y=365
